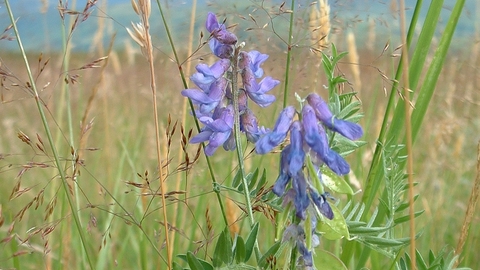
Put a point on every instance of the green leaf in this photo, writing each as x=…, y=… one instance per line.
x=326, y=260
x=333, y=229
x=405, y=205
x=368, y=230
x=239, y=267
x=406, y=217
x=271, y=252
x=193, y=262
x=205, y=264
x=354, y=224
x=237, y=180
x=239, y=250
x=250, y=243
x=176, y=266
x=261, y=182
x=252, y=180
x=223, y=249
x=334, y=182
x=382, y=242
x=421, y=265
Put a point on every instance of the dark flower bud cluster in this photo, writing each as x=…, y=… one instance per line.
x=307, y=136
x=214, y=98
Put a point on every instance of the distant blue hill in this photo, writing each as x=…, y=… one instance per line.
x=42, y=31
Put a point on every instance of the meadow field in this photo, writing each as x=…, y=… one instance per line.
x=96, y=164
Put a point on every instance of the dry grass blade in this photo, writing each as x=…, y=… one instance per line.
x=470, y=211
x=319, y=25
x=2, y=219
x=94, y=64
x=5, y=35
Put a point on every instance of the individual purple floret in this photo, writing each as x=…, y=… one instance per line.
x=316, y=138
x=217, y=129
x=273, y=138
x=301, y=200
x=219, y=49
x=249, y=64
x=207, y=75
x=249, y=125
x=296, y=155
x=222, y=42
x=348, y=129
x=219, y=31
x=322, y=204
x=296, y=233
x=207, y=102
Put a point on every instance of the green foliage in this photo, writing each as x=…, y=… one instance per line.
x=368, y=231
x=441, y=261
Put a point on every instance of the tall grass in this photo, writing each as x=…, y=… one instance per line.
x=126, y=189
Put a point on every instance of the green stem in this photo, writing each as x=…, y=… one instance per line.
x=66, y=91
x=49, y=135
x=184, y=81
x=238, y=144
x=289, y=55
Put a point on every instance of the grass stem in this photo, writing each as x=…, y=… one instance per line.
x=153, y=87
x=239, y=149
x=49, y=136
x=408, y=131
x=289, y=54
x=185, y=85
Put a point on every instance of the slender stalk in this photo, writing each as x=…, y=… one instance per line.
x=49, y=136
x=153, y=87
x=470, y=211
x=181, y=155
x=289, y=54
x=238, y=144
x=184, y=81
x=408, y=131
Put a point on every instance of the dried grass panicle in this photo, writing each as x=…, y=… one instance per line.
x=142, y=7
x=139, y=33
x=208, y=220
x=5, y=35
x=79, y=16
x=319, y=25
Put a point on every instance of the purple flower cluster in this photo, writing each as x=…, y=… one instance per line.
x=214, y=97
x=307, y=136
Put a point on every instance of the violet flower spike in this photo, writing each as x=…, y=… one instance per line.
x=348, y=129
